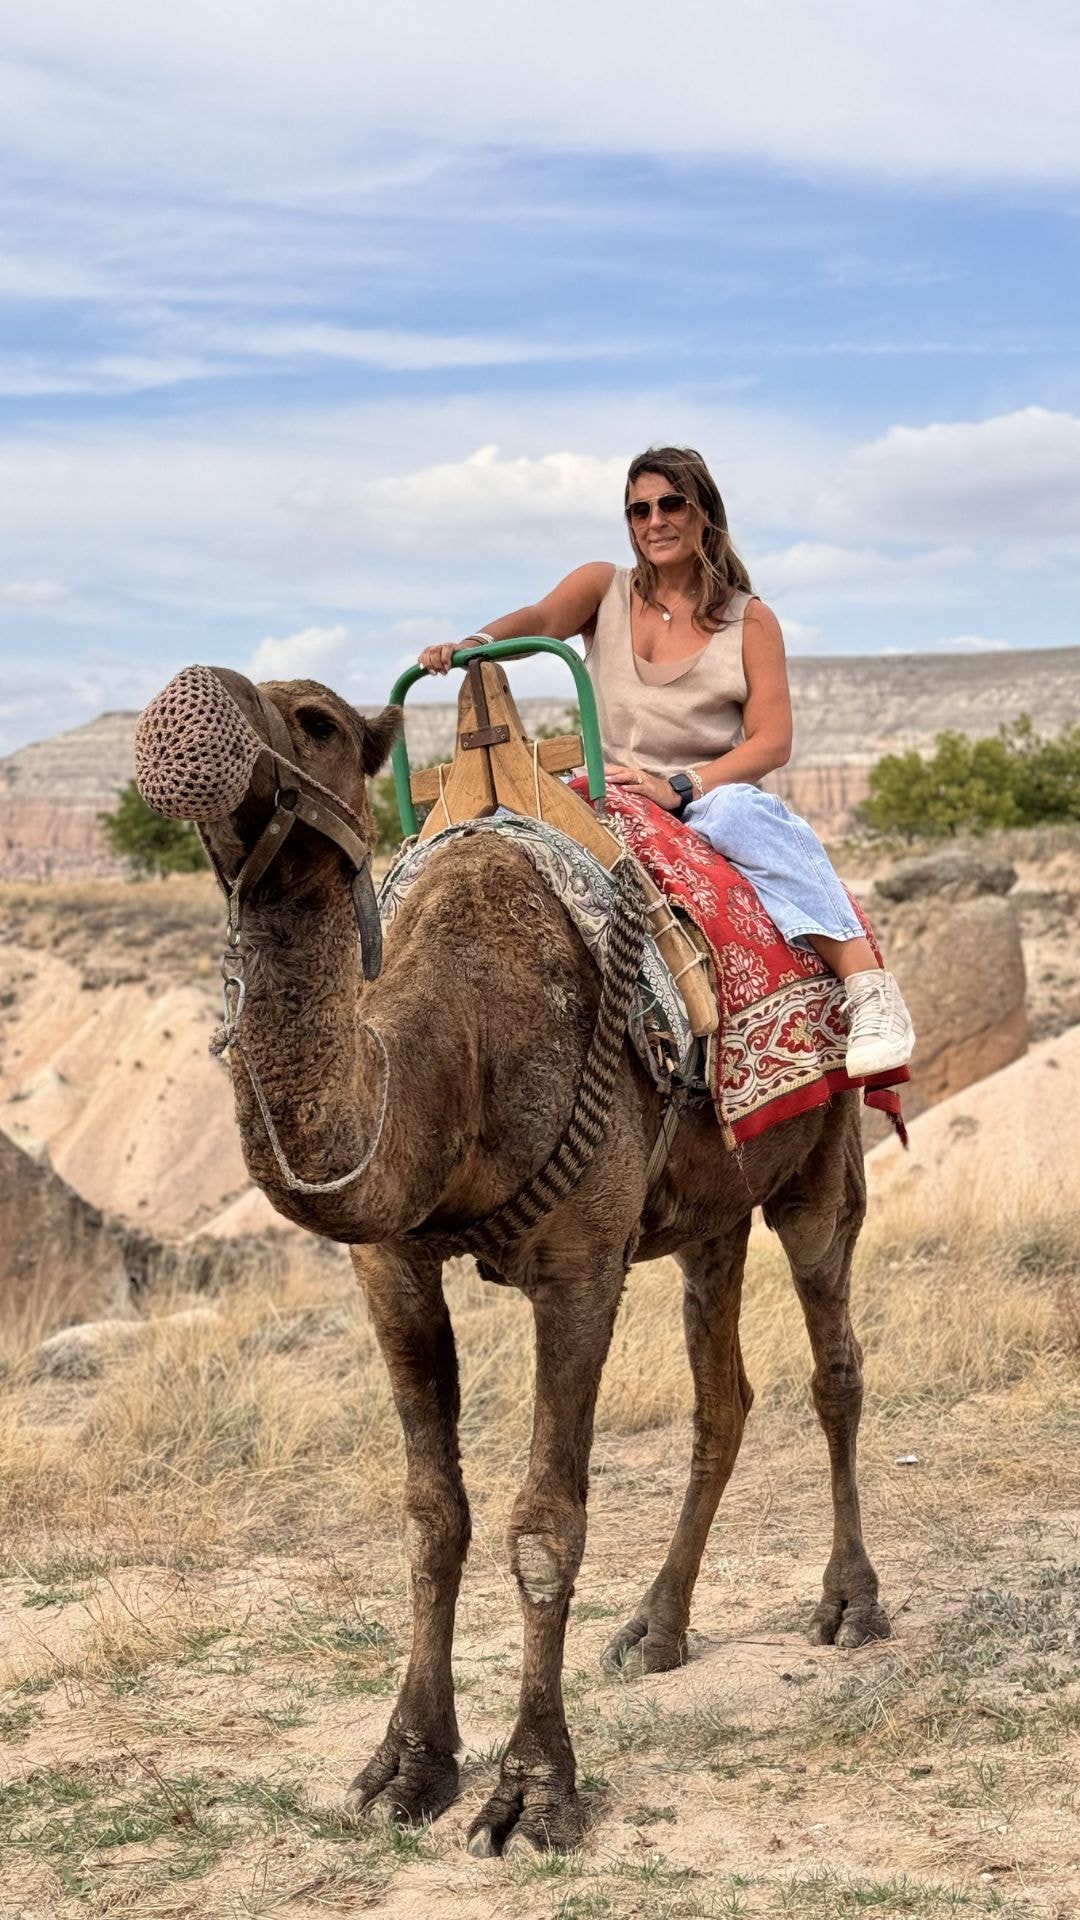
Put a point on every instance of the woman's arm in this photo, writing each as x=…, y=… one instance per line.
x=564, y=611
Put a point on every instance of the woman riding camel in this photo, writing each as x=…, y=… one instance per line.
x=692, y=693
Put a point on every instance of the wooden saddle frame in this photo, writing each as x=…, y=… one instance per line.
x=496, y=764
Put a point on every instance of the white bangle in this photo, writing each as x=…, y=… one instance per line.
x=483, y=636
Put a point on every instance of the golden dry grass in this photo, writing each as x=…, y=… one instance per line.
x=277, y=1417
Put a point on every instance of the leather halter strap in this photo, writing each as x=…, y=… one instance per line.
x=291, y=806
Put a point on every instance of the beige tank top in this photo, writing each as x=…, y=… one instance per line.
x=692, y=713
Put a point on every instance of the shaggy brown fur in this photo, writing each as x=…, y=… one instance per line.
x=485, y=1005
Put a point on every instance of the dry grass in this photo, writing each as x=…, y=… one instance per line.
x=276, y=1420
x=206, y=1608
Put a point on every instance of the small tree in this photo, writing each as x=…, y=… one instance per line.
x=1011, y=779
x=384, y=807
x=147, y=840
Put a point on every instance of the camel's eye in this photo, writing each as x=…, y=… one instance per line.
x=316, y=723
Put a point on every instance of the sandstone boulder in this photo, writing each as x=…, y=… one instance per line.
x=961, y=967
x=951, y=874
x=83, y=1351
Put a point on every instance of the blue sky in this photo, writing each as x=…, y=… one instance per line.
x=323, y=336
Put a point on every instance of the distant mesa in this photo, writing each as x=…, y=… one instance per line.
x=848, y=712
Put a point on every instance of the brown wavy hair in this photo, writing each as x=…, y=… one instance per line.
x=720, y=570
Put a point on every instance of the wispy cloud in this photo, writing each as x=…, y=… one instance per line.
x=1013, y=478
x=399, y=350
x=32, y=593
x=946, y=98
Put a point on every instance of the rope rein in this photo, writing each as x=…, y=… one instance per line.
x=291, y=1179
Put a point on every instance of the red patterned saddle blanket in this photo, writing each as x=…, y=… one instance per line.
x=783, y=1014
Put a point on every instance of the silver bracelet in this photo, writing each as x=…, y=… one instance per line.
x=695, y=781
x=490, y=637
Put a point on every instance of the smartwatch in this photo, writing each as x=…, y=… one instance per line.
x=681, y=784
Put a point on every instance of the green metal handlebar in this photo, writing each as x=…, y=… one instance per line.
x=502, y=650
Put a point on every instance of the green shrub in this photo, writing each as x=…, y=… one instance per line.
x=147, y=840
x=1013, y=779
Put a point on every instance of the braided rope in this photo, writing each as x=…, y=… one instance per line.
x=592, y=1107
x=293, y=1180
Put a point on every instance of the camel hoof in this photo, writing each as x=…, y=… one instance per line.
x=370, y=1809
x=403, y=1790
x=522, y=1846
x=635, y=1651
x=511, y=1829
x=863, y=1624
x=834, y=1624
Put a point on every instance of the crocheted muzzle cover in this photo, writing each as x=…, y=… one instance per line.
x=195, y=750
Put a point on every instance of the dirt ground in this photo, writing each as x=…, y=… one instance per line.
x=204, y=1616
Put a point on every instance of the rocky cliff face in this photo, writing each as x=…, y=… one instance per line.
x=848, y=713
x=64, y=1260
x=51, y=794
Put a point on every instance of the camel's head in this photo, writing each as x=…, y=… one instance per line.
x=254, y=766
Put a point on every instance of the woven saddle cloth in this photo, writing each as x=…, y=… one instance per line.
x=659, y=1027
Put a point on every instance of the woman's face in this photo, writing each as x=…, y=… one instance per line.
x=670, y=534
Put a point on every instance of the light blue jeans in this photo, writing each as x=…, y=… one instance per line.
x=781, y=856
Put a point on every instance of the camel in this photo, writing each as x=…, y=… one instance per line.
x=425, y=1097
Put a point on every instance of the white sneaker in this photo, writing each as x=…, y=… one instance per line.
x=881, y=1036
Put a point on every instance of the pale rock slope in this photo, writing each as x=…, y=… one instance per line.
x=1016, y=1133
x=119, y=1087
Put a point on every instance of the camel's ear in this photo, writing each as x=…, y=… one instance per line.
x=378, y=731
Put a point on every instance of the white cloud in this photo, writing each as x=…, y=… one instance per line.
x=968, y=91
x=814, y=563
x=495, y=496
x=298, y=656
x=41, y=698
x=820, y=574
x=351, y=535
x=116, y=374
x=396, y=349
x=1013, y=478
x=32, y=593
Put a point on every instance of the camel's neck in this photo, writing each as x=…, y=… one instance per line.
x=326, y=1079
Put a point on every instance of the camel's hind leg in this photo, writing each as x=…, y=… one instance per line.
x=655, y=1638
x=413, y=1774
x=818, y=1216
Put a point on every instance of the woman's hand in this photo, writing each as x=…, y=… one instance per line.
x=437, y=659
x=652, y=785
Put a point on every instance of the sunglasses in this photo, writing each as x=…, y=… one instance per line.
x=673, y=506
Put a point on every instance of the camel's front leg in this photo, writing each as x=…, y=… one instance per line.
x=413, y=1773
x=535, y=1805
